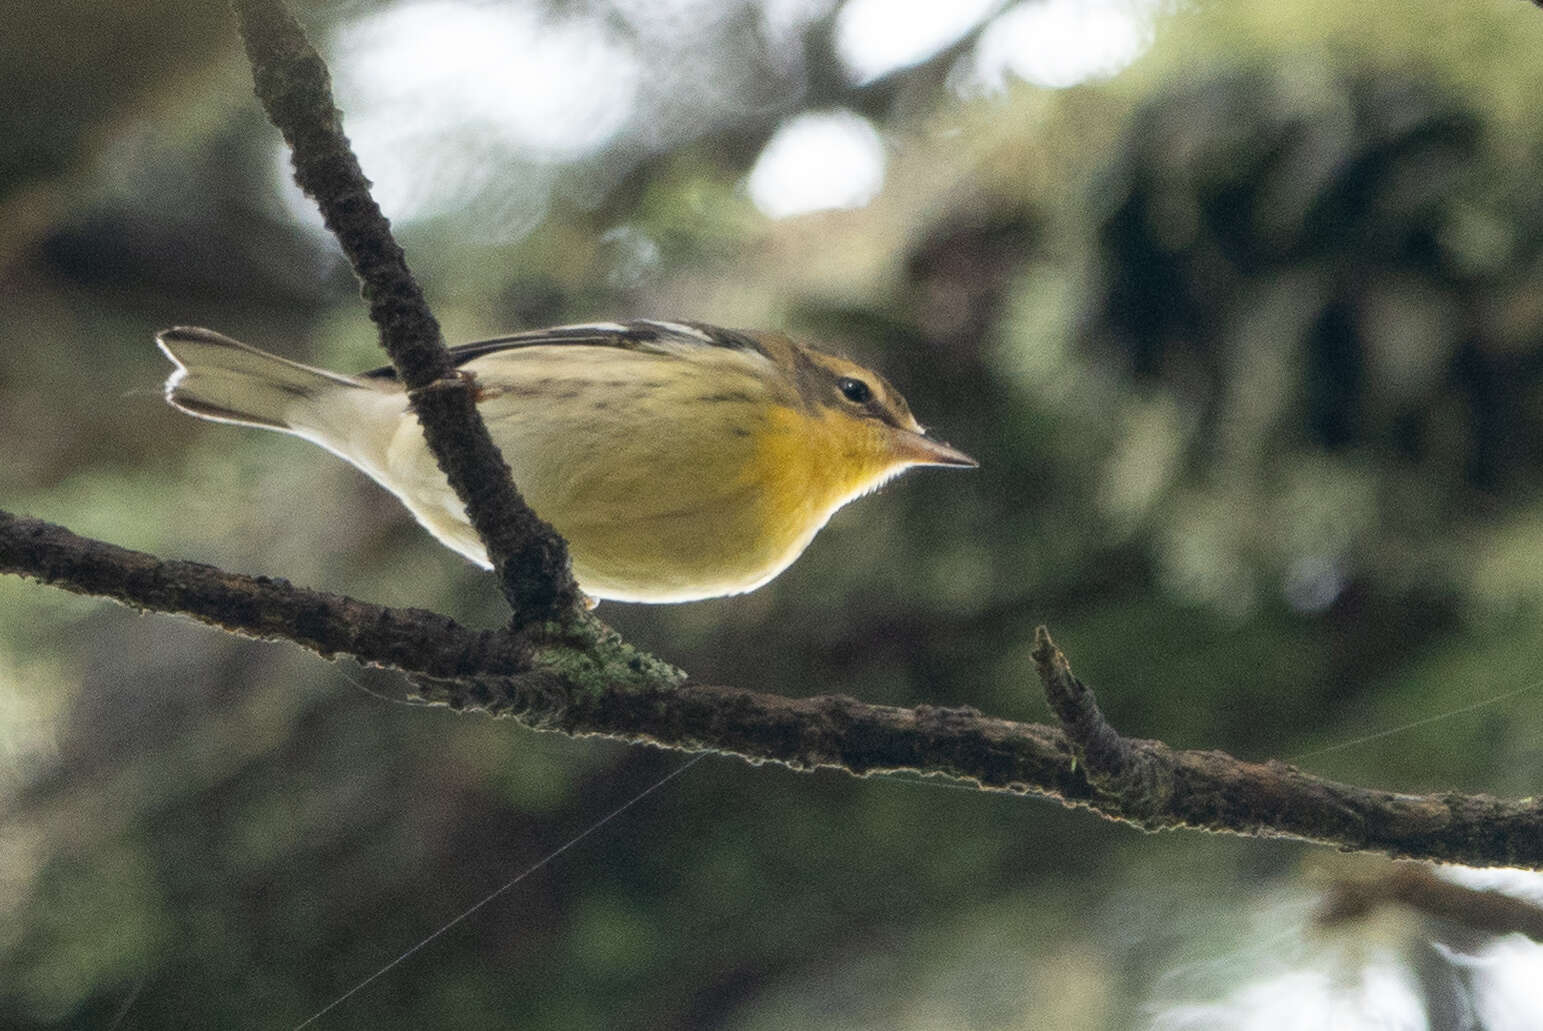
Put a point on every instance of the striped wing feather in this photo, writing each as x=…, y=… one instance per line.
x=639, y=335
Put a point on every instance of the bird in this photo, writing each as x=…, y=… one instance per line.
x=679, y=460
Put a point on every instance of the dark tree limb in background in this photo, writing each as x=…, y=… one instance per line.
x=558, y=669
x=292, y=82
x=1085, y=763
x=1417, y=888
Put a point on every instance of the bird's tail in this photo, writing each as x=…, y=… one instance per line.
x=222, y=379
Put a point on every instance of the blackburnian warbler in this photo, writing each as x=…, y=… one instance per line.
x=680, y=461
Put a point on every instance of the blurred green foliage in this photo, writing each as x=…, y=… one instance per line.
x=1248, y=341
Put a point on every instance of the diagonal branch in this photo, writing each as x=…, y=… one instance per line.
x=295, y=89
x=606, y=689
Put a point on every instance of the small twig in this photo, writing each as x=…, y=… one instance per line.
x=1106, y=753
x=295, y=89
x=1118, y=767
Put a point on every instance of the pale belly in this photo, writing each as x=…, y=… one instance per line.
x=644, y=522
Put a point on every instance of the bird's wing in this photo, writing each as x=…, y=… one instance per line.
x=639, y=335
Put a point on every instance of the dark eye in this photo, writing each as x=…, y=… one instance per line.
x=854, y=390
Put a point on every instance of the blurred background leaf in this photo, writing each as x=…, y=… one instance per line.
x=1238, y=305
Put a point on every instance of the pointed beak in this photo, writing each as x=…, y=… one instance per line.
x=920, y=449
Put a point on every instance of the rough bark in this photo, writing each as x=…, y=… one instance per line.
x=602, y=687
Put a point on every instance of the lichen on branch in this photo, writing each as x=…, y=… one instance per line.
x=601, y=686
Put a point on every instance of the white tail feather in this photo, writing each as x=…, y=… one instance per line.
x=225, y=380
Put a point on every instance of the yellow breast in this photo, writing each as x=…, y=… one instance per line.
x=809, y=465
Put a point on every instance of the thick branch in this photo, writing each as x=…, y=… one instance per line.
x=412, y=640
x=292, y=82
x=604, y=688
